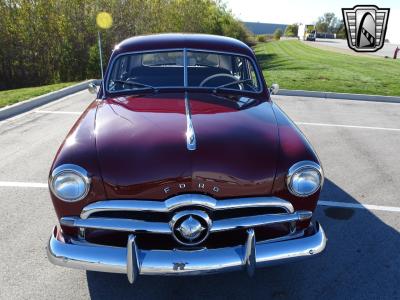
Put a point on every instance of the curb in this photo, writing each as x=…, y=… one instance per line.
x=21, y=107
x=342, y=96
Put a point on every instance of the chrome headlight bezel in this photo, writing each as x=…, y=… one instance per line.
x=76, y=171
x=299, y=167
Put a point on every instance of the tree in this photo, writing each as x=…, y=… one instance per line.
x=341, y=30
x=292, y=30
x=278, y=33
x=328, y=23
x=48, y=41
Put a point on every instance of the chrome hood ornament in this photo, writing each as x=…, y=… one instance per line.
x=190, y=134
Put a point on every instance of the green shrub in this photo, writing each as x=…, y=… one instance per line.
x=278, y=34
x=261, y=38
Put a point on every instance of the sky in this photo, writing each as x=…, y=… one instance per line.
x=308, y=11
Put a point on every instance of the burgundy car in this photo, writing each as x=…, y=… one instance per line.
x=183, y=166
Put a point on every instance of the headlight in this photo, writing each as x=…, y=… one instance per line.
x=69, y=182
x=304, y=178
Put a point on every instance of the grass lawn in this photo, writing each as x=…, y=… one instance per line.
x=13, y=96
x=294, y=65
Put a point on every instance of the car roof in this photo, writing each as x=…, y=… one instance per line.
x=183, y=40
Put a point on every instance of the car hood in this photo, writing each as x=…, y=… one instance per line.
x=142, y=151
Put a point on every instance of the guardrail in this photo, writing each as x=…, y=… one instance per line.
x=24, y=106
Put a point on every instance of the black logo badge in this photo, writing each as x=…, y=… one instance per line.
x=366, y=27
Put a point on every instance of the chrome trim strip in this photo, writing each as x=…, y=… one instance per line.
x=190, y=134
x=255, y=221
x=179, y=262
x=184, y=201
x=127, y=225
x=191, y=143
x=132, y=259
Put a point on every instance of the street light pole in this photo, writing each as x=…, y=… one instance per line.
x=101, y=63
x=104, y=21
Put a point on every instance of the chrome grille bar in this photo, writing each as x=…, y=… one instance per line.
x=184, y=201
x=258, y=220
x=129, y=225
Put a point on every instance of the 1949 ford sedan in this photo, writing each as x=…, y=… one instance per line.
x=183, y=166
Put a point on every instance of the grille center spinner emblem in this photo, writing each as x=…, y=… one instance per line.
x=190, y=227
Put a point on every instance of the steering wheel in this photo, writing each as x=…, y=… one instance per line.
x=217, y=76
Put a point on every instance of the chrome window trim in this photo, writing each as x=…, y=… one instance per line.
x=72, y=169
x=304, y=164
x=185, y=86
x=184, y=201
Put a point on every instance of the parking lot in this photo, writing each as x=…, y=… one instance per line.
x=359, y=145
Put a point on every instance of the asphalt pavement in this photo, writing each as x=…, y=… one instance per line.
x=359, y=145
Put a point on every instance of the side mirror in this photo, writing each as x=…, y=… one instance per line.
x=274, y=89
x=92, y=88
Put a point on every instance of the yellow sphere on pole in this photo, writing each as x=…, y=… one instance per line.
x=104, y=20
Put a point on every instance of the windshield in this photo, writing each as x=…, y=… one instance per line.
x=166, y=69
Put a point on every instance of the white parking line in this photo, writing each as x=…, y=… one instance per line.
x=44, y=106
x=57, y=112
x=348, y=126
x=359, y=206
x=23, y=184
x=321, y=202
x=298, y=123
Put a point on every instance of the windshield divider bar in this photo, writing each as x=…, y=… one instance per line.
x=185, y=69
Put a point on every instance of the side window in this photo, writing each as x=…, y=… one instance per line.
x=243, y=70
x=253, y=76
x=238, y=69
x=121, y=68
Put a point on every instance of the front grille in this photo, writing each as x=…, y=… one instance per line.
x=166, y=217
x=111, y=222
x=167, y=242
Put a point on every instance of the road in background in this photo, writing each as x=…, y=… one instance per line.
x=358, y=144
x=341, y=46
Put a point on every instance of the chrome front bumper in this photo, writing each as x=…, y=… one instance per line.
x=133, y=261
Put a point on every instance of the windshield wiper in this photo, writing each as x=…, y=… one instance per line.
x=135, y=83
x=222, y=86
